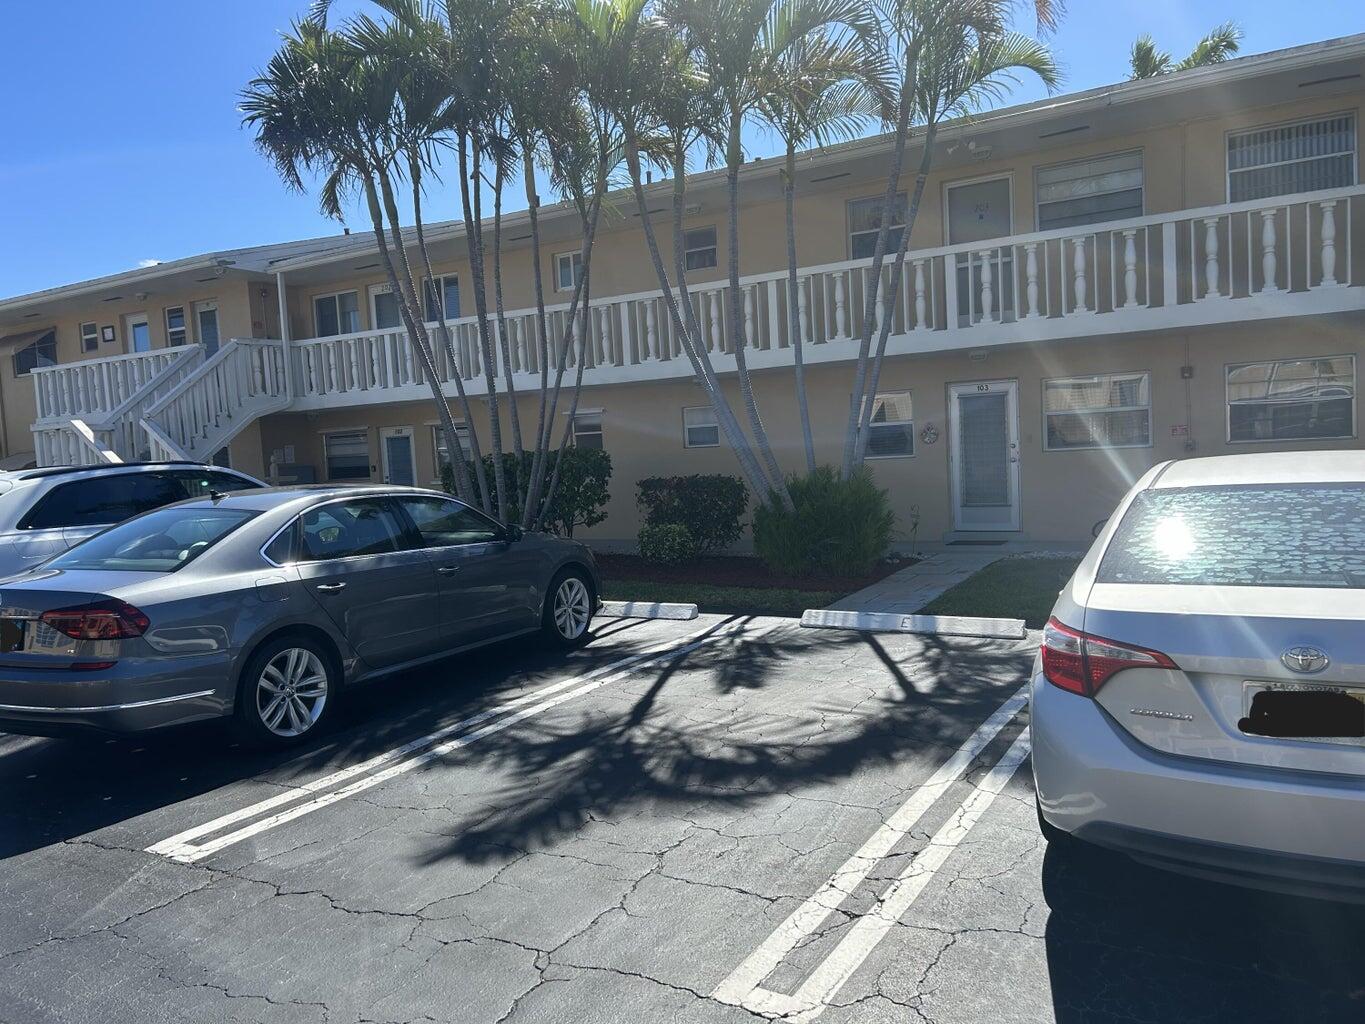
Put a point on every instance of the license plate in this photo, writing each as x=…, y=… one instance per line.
x=1303, y=711
x=11, y=635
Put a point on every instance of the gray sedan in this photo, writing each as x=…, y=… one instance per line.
x=264, y=605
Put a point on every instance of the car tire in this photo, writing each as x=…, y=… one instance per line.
x=569, y=606
x=287, y=693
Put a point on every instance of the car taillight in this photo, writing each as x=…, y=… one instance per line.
x=1081, y=663
x=101, y=620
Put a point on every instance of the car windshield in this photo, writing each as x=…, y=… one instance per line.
x=160, y=541
x=1301, y=535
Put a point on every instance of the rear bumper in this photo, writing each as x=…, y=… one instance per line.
x=1266, y=827
x=133, y=696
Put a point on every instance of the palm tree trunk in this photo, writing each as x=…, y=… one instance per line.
x=893, y=289
x=778, y=483
x=408, y=297
x=691, y=343
x=474, y=239
x=504, y=343
x=855, y=409
x=794, y=306
x=463, y=486
x=583, y=336
x=419, y=341
x=542, y=327
x=535, y=487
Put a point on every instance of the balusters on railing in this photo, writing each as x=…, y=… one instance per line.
x=986, y=279
x=1269, y=255
x=840, y=312
x=1079, y=275
x=1130, y=300
x=652, y=329
x=1211, y=258
x=1328, y=238
x=748, y=337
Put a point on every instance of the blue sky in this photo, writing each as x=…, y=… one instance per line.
x=123, y=142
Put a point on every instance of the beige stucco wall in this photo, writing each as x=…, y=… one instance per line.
x=1062, y=494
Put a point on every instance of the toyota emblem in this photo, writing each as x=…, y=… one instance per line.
x=1305, y=660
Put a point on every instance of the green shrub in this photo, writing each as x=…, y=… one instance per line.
x=580, y=499
x=839, y=526
x=709, y=505
x=667, y=543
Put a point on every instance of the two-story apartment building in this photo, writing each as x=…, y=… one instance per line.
x=1096, y=282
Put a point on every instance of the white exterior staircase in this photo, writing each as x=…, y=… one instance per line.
x=165, y=404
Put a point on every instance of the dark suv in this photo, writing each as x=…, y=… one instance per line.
x=45, y=511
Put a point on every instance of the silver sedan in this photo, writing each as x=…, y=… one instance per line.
x=1199, y=699
x=265, y=605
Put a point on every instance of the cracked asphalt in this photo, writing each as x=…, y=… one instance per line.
x=616, y=857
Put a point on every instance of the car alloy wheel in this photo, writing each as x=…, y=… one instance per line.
x=572, y=608
x=291, y=692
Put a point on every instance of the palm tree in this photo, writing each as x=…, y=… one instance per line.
x=1146, y=61
x=740, y=45
x=958, y=73
x=322, y=107
x=623, y=50
x=947, y=55
x=826, y=89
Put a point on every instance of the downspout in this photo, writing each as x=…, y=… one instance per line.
x=284, y=335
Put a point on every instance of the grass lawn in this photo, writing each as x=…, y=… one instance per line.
x=1013, y=588
x=725, y=600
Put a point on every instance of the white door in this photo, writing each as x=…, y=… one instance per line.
x=395, y=444
x=138, y=332
x=383, y=307
x=206, y=323
x=983, y=447
x=979, y=211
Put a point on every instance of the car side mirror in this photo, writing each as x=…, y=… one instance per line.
x=514, y=533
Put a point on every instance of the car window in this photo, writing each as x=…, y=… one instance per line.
x=281, y=549
x=161, y=541
x=1303, y=535
x=345, y=529
x=443, y=522
x=199, y=482
x=102, y=500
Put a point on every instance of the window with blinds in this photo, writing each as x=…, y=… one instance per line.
x=1292, y=399
x=348, y=455
x=1108, y=410
x=891, y=427
x=1302, y=157
x=865, y=221
x=1089, y=191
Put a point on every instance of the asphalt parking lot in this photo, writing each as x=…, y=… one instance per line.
x=716, y=820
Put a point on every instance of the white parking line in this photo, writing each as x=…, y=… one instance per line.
x=743, y=987
x=184, y=846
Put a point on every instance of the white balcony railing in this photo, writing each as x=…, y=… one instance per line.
x=1234, y=262
x=1241, y=262
x=96, y=387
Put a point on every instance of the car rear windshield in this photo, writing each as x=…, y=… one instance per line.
x=161, y=541
x=1300, y=535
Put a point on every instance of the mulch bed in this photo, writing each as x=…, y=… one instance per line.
x=736, y=571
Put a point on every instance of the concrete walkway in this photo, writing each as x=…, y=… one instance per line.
x=912, y=588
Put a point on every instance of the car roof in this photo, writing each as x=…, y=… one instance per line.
x=1264, y=468
x=263, y=499
x=110, y=467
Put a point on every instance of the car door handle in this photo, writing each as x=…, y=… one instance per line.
x=329, y=588
x=447, y=570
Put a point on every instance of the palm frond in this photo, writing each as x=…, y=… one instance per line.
x=1219, y=45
